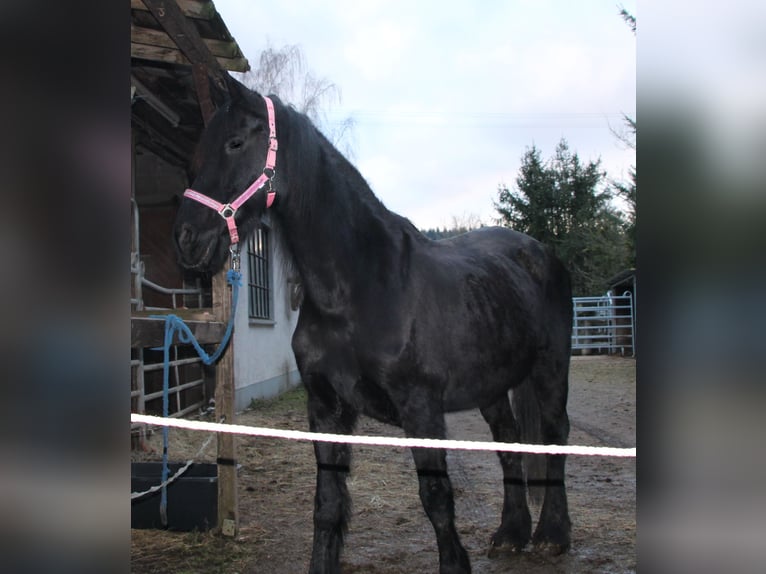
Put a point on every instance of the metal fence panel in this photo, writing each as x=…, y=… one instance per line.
x=603, y=324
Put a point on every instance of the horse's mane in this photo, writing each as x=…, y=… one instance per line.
x=328, y=194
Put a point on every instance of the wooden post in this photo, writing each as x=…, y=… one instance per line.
x=201, y=84
x=228, y=511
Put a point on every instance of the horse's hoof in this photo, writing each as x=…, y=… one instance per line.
x=503, y=549
x=550, y=548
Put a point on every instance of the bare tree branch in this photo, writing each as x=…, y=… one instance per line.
x=629, y=18
x=626, y=134
x=283, y=71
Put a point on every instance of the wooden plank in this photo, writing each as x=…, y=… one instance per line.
x=191, y=8
x=202, y=86
x=219, y=48
x=160, y=143
x=228, y=508
x=146, y=332
x=201, y=315
x=155, y=101
x=174, y=56
x=186, y=37
x=158, y=54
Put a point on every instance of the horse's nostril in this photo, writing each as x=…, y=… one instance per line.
x=186, y=235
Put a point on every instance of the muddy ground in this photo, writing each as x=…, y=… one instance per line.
x=389, y=532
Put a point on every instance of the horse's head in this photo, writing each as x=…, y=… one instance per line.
x=229, y=191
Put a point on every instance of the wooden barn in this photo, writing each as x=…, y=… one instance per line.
x=180, y=51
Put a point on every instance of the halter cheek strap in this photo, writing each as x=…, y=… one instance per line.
x=229, y=210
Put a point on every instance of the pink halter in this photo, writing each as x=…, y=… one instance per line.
x=228, y=210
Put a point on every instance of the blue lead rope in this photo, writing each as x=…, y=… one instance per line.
x=173, y=325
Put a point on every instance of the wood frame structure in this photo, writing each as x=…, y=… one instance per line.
x=180, y=53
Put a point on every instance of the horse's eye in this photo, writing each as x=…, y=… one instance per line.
x=234, y=144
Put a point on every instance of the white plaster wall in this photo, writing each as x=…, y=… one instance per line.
x=263, y=356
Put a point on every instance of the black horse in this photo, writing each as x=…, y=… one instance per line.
x=396, y=326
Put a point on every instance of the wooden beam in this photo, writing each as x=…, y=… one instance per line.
x=219, y=48
x=175, y=56
x=199, y=315
x=201, y=84
x=160, y=141
x=147, y=332
x=158, y=54
x=228, y=508
x=186, y=37
x=155, y=101
x=191, y=8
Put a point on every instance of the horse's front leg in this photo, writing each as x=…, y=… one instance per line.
x=435, y=487
x=332, y=504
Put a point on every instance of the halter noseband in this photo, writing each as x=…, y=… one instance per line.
x=228, y=210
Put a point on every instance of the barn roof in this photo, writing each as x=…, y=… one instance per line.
x=622, y=279
x=180, y=51
x=156, y=28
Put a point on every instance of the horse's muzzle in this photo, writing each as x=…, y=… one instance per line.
x=196, y=249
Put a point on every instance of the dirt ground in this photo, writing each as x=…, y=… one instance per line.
x=389, y=532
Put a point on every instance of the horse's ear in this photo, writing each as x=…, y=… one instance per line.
x=218, y=89
x=236, y=89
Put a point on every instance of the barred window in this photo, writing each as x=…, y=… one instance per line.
x=259, y=275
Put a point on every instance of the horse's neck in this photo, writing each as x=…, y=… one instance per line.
x=338, y=234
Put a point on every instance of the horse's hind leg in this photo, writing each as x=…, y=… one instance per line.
x=516, y=524
x=552, y=534
x=332, y=504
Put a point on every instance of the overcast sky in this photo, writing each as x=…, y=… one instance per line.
x=446, y=96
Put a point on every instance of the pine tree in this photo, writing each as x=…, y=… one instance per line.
x=628, y=192
x=531, y=208
x=566, y=205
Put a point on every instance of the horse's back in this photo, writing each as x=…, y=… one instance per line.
x=513, y=256
x=534, y=276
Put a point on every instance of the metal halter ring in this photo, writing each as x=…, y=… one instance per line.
x=234, y=250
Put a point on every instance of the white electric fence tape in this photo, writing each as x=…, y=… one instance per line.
x=385, y=441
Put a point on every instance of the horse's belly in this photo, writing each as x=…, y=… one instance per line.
x=481, y=386
x=374, y=402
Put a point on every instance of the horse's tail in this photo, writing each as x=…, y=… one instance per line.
x=527, y=413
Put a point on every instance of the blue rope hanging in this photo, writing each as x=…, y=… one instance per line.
x=175, y=325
